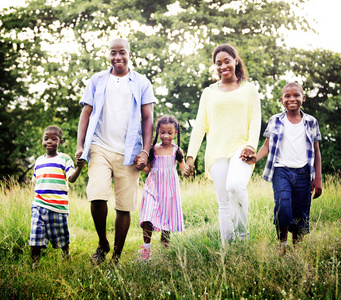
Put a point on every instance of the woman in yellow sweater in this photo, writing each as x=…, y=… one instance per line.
x=229, y=113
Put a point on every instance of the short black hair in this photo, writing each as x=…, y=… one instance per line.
x=55, y=128
x=293, y=84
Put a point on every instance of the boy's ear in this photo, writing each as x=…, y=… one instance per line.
x=61, y=141
x=303, y=98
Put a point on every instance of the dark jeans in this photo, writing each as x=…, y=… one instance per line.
x=292, y=192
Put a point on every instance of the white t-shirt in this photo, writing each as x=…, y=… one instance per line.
x=112, y=126
x=293, y=147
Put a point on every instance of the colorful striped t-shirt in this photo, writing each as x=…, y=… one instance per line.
x=51, y=177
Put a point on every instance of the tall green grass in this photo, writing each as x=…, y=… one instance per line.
x=195, y=266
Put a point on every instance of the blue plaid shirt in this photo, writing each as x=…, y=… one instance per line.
x=274, y=132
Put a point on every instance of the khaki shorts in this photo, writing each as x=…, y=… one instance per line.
x=104, y=166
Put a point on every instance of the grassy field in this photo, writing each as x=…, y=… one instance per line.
x=195, y=266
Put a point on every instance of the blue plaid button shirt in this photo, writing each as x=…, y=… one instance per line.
x=274, y=132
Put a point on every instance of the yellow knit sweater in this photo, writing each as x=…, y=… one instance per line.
x=231, y=121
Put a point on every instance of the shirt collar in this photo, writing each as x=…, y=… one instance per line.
x=283, y=114
x=131, y=74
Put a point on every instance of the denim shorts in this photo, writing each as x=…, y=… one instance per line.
x=292, y=192
x=47, y=225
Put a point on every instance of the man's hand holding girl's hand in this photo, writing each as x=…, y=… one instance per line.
x=141, y=161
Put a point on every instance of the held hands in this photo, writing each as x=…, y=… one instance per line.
x=249, y=159
x=248, y=155
x=187, y=171
x=189, y=167
x=79, y=162
x=79, y=152
x=141, y=160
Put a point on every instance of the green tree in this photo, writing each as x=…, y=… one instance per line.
x=321, y=72
x=12, y=116
x=171, y=41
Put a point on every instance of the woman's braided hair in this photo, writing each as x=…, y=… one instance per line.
x=166, y=119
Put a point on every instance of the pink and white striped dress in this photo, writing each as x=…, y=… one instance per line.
x=161, y=201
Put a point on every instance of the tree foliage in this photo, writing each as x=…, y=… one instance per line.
x=321, y=70
x=171, y=42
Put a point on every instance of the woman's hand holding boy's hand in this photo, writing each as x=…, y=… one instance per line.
x=250, y=159
x=248, y=150
x=248, y=155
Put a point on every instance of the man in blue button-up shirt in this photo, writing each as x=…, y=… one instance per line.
x=111, y=139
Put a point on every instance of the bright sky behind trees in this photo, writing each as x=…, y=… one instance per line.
x=327, y=15
x=325, y=12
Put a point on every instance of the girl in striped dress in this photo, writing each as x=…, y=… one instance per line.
x=161, y=203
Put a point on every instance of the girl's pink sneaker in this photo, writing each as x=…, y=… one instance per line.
x=145, y=253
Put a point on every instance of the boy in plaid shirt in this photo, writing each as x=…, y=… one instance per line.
x=293, y=165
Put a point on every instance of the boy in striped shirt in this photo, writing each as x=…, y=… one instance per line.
x=50, y=207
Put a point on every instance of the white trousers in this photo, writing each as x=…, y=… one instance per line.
x=230, y=177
